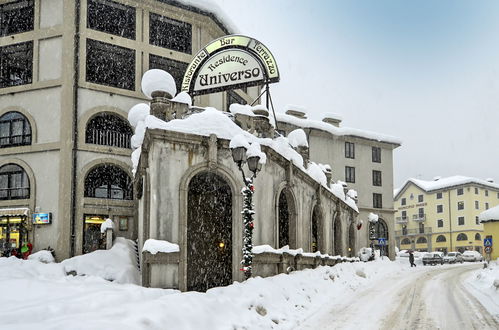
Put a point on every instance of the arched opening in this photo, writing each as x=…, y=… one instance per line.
x=108, y=130
x=337, y=236
x=478, y=237
x=441, y=238
x=14, y=182
x=209, y=232
x=109, y=182
x=283, y=226
x=15, y=130
x=421, y=240
x=379, y=234
x=405, y=241
x=351, y=240
x=315, y=229
x=462, y=237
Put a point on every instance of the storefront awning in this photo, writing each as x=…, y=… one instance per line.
x=14, y=212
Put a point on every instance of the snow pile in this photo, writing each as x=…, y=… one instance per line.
x=42, y=256
x=154, y=246
x=117, y=264
x=13, y=268
x=316, y=173
x=108, y=224
x=484, y=285
x=138, y=113
x=373, y=217
x=298, y=138
x=491, y=214
x=183, y=97
x=243, y=109
x=158, y=80
x=255, y=151
x=258, y=249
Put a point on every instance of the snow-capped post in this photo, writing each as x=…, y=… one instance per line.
x=243, y=152
x=107, y=228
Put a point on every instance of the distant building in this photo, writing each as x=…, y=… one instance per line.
x=69, y=72
x=443, y=214
x=490, y=221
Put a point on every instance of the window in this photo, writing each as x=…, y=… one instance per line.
x=403, y=201
x=111, y=17
x=476, y=191
x=349, y=150
x=110, y=65
x=15, y=130
x=108, y=181
x=439, y=195
x=169, y=33
x=404, y=214
x=233, y=97
x=498, y=195
x=478, y=237
x=376, y=154
x=404, y=230
x=477, y=205
x=420, y=198
x=440, y=208
x=477, y=222
x=421, y=212
x=460, y=205
x=421, y=228
x=16, y=64
x=486, y=193
x=460, y=221
x=405, y=241
x=377, y=178
x=377, y=201
x=462, y=237
x=175, y=68
x=486, y=206
x=422, y=240
x=350, y=174
x=460, y=191
x=108, y=130
x=16, y=17
x=14, y=182
x=441, y=238
x=440, y=223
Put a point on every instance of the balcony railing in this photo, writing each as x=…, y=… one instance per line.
x=419, y=217
x=413, y=231
x=402, y=219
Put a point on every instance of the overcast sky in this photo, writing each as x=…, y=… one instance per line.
x=424, y=71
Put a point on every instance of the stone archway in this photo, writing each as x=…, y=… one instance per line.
x=338, y=250
x=209, y=232
x=286, y=220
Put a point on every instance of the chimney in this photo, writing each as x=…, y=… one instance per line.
x=296, y=111
x=489, y=180
x=332, y=119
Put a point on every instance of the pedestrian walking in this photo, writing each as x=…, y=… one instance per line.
x=411, y=259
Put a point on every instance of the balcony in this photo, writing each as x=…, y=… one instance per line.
x=419, y=217
x=413, y=231
x=402, y=219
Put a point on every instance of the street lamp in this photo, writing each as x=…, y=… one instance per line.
x=254, y=164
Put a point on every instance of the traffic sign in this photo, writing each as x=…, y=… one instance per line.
x=487, y=241
x=382, y=241
x=488, y=249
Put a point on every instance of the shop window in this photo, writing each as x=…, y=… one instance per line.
x=169, y=33
x=377, y=201
x=377, y=178
x=460, y=205
x=108, y=182
x=349, y=150
x=110, y=65
x=441, y=238
x=16, y=64
x=233, y=97
x=462, y=237
x=439, y=195
x=440, y=223
x=15, y=130
x=478, y=237
x=108, y=130
x=350, y=174
x=460, y=191
x=422, y=240
x=460, y=221
x=16, y=17
x=111, y=17
x=14, y=182
x=175, y=68
x=376, y=154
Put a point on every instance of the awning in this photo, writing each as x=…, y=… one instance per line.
x=14, y=212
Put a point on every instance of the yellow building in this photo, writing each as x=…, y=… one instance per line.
x=490, y=221
x=442, y=215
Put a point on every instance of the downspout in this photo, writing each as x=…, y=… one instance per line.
x=450, y=220
x=75, y=127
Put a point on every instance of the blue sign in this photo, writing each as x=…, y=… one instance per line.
x=487, y=241
x=42, y=218
x=381, y=241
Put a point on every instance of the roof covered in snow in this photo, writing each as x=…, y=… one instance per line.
x=491, y=214
x=444, y=183
x=339, y=131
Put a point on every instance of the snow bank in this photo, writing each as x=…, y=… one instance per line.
x=154, y=246
x=484, y=285
x=42, y=256
x=117, y=264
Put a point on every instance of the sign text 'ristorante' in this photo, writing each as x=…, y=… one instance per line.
x=230, y=62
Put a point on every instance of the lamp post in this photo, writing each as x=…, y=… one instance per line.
x=254, y=165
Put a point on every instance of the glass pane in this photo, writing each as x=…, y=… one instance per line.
x=16, y=64
x=101, y=192
x=111, y=17
x=169, y=33
x=16, y=17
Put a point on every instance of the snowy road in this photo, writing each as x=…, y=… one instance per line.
x=427, y=298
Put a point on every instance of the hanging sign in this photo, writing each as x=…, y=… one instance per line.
x=230, y=62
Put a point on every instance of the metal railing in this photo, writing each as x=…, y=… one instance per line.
x=419, y=217
x=413, y=231
x=402, y=219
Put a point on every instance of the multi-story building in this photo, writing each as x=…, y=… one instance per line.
x=69, y=72
x=442, y=215
x=364, y=161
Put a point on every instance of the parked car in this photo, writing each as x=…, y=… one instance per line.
x=472, y=256
x=453, y=257
x=433, y=258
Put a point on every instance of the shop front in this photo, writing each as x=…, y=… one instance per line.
x=92, y=237
x=14, y=231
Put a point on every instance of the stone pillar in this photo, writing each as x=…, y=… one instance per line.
x=109, y=238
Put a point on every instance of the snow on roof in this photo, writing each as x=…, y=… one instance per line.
x=340, y=131
x=154, y=246
x=442, y=183
x=491, y=214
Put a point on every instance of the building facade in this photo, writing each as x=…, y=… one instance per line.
x=490, y=221
x=442, y=215
x=70, y=70
x=363, y=161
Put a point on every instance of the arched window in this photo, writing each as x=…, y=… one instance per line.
x=108, y=181
x=283, y=220
x=421, y=240
x=15, y=130
x=478, y=237
x=441, y=238
x=378, y=229
x=315, y=229
x=14, y=182
x=108, y=130
x=462, y=237
x=405, y=241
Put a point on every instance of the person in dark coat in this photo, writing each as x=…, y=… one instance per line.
x=411, y=259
